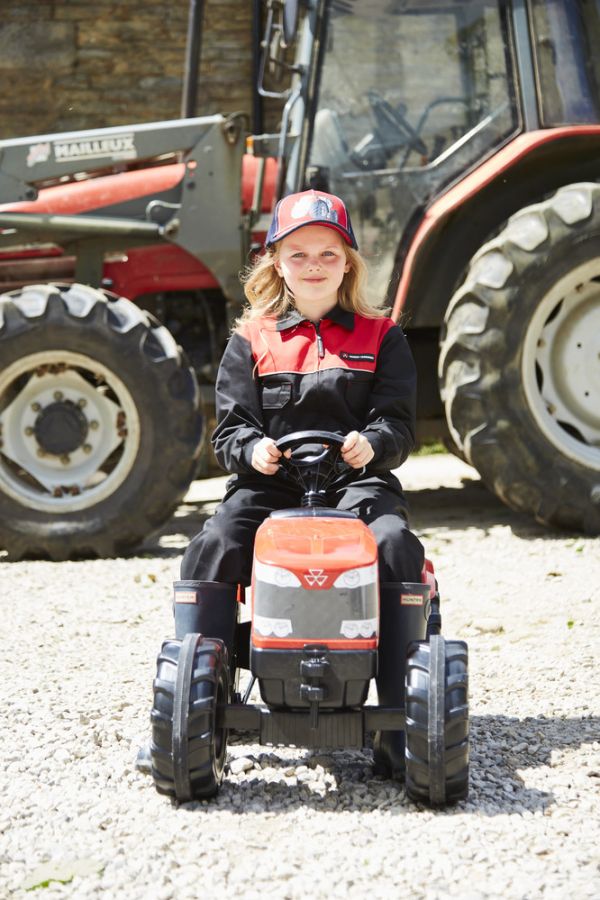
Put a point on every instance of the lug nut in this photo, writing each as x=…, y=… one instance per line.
x=81, y=402
x=57, y=492
x=94, y=425
x=40, y=452
x=65, y=458
x=36, y=407
x=58, y=395
x=87, y=448
x=29, y=431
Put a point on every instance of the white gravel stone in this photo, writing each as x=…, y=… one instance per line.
x=80, y=641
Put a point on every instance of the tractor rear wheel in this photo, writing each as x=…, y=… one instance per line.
x=437, y=721
x=100, y=423
x=519, y=363
x=188, y=747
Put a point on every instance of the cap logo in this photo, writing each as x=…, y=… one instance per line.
x=319, y=208
x=296, y=210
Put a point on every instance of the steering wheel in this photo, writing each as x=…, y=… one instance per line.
x=299, y=438
x=388, y=116
x=312, y=471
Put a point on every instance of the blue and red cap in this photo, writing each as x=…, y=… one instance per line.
x=310, y=208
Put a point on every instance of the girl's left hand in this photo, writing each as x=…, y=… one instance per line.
x=356, y=450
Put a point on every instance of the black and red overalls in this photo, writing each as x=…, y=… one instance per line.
x=345, y=373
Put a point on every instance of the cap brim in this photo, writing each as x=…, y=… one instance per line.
x=346, y=235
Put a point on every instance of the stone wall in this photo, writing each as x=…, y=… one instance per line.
x=71, y=64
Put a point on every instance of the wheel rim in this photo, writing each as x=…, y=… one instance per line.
x=561, y=365
x=70, y=432
x=220, y=733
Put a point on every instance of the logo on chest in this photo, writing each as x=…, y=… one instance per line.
x=357, y=357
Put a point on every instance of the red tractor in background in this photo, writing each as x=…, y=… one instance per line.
x=465, y=139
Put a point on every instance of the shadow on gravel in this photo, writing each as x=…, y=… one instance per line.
x=470, y=506
x=502, y=750
x=175, y=535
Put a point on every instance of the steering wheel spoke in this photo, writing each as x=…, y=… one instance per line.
x=313, y=471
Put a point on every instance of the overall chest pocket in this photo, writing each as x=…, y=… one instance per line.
x=358, y=391
x=275, y=396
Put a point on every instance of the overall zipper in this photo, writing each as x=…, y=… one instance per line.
x=320, y=347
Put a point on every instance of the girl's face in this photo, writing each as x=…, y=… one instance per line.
x=312, y=262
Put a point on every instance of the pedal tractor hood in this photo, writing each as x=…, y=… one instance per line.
x=315, y=581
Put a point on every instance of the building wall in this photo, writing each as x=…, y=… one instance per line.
x=71, y=64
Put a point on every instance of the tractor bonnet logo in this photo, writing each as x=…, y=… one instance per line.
x=315, y=576
x=38, y=153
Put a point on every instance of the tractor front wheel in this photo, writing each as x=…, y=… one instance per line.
x=437, y=721
x=188, y=746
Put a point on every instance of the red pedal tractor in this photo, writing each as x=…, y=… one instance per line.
x=313, y=648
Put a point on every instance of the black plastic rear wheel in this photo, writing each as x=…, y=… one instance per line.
x=437, y=722
x=188, y=748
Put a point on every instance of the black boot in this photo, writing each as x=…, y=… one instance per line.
x=209, y=608
x=402, y=620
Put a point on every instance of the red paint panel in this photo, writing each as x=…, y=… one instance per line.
x=249, y=173
x=298, y=544
x=343, y=644
x=106, y=190
x=159, y=267
x=504, y=159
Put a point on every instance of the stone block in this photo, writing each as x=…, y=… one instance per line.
x=48, y=46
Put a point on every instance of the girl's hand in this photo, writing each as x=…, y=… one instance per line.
x=356, y=450
x=265, y=456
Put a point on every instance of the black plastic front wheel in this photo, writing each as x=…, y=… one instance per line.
x=100, y=423
x=437, y=721
x=188, y=747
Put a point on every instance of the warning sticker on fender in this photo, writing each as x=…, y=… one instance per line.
x=411, y=600
x=185, y=596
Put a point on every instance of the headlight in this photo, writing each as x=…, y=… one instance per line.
x=354, y=628
x=267, y=626
x=275, y=575
x=356, y=577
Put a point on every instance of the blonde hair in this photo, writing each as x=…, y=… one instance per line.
x=268, y=294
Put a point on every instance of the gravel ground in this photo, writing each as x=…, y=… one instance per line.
x=80, y=644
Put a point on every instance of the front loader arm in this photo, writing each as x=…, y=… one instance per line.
x=205, y=220
x=27, y=162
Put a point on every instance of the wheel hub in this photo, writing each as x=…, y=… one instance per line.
x=69, y=431
x=561, y=365
x=61, y=427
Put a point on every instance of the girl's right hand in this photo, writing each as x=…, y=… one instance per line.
x=265, y=455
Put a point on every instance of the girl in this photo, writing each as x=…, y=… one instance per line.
x=309, y=353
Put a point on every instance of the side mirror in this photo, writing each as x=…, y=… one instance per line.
x=290, y=21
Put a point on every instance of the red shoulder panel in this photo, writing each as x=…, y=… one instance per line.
x=295, y=350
